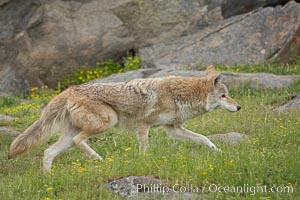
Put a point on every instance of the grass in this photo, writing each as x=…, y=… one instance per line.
x=271, y=156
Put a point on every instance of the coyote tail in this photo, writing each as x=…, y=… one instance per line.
x=54, y=117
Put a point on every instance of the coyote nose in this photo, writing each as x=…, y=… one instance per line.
x=238, y=108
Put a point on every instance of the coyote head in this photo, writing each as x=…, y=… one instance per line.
x=218, y=93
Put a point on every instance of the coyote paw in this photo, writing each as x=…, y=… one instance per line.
x=216, y=148
x=97, y=157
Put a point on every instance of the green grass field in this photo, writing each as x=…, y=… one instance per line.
x=270, y=158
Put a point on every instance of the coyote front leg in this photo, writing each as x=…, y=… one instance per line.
x=142, y=135
x=178, y=132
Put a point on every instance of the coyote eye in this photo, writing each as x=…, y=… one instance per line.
x=223, y=96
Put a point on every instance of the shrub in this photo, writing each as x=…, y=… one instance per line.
x=132, y=63
x=102, y=69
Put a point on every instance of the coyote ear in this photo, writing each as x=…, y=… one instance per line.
x=217, y=79
x=210, y=70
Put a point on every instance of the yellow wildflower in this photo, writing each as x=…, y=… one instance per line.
x=128, y=149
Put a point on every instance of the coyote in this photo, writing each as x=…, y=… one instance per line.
x=85, y=110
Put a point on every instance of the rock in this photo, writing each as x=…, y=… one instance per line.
x=42, y=41
x=258, y=80
x=124, y=77
x=155, y=21
x=232, y=138
x=291, y=50
x=6, y=132
x=173, y=72
x=240, y=80
x=128, y=186
x=293, y=103
x=147, y=187
x=11, y=80
x=6, y=117
x=254, y=37
x=232, y=80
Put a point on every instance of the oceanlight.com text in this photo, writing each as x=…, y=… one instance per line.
x=252, y=190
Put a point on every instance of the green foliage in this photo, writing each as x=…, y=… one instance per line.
x=132, y=63
x=8, y=101
x=102, y=69
x=42, y=95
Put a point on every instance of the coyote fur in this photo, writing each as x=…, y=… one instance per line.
x=85, y=110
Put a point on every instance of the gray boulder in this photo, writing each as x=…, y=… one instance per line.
x=240, y=80
x=256, y=37
x=293, y=103
x=42, y=41
x=258, y=80
x=231, y=138
x=232, y=80
x=148, y=187
x=7, y=132
x=127, y=76
x=6, y=117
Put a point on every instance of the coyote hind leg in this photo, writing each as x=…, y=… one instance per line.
x=65, y=142
x=80, y=141
x=91, y=124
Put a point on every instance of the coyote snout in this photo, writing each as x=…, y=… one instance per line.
x=228, y=103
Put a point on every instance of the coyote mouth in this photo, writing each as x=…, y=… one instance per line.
x=237, y=109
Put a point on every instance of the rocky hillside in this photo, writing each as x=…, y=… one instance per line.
x=42, y=41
